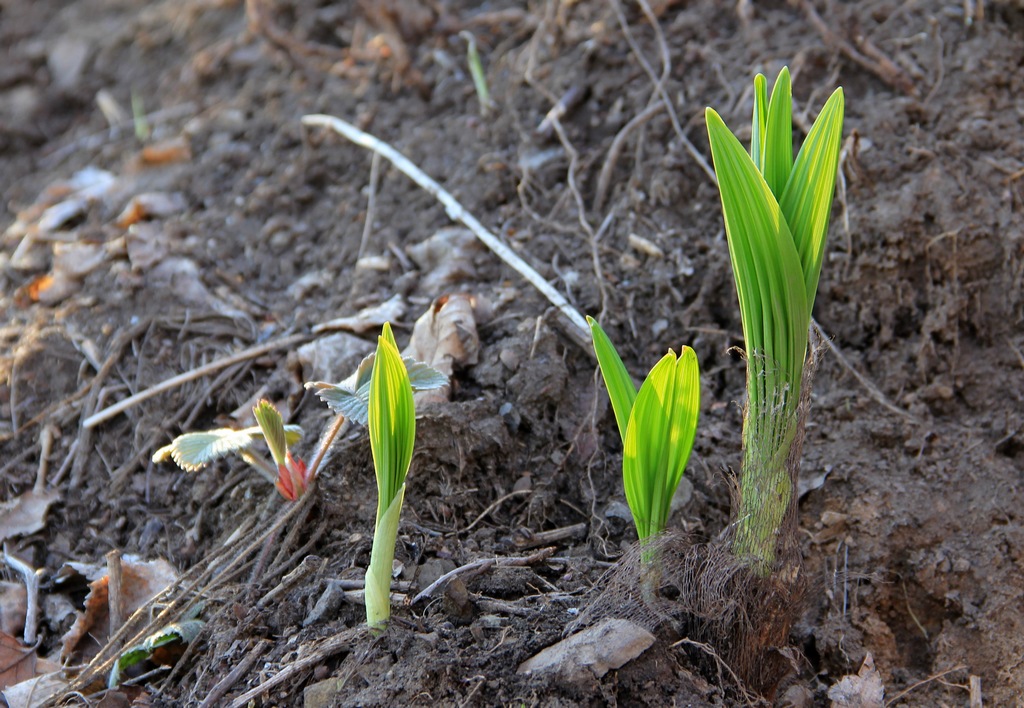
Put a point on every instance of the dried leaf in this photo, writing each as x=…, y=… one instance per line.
x=141, y=581
x=443, y=337
x=146, y=244
x=369, y=319
x=865, y=690
x=76, y=260
x=149, y=205
x=446, y=258
x=17, y=663
x=13, y=608
x=173, y=150
x=37, y=691
x=25, y=514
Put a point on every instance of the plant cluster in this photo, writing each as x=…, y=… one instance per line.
x=776, y=211
x=378, y=395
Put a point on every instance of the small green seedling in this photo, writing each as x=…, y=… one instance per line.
x=164, y=647
x=776, y=219
x=392, y=425
x=351, y=397
x=476, y=70
x=657, y=425
x=193, y=451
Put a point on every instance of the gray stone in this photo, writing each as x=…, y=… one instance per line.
x=596, y=650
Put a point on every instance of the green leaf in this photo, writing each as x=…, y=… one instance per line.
x=184, y=631
x=759, y=122
x=351, y=397
x=776, y=219
x=778, y=138
x=377, y=584
x=272, y=425
x=766, y=266
x=193, y=451
x=423, y=377
x=391, y=420
x=621, y=389
x=659, y=439
x=342, y=401
x=806, y=201
x=129, y=658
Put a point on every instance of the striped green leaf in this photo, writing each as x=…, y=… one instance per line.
x=659, y=439
x=776, y=212
x=392, y=425
x=766, y=265
x=806, y=201
x=272, y=425
x=621, y=389
x=391, y=420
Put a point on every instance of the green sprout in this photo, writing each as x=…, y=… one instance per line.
x=392, y=425
x=657, y=426
x=193, y=451
x=776, y=214
x=476, y=70
x=164, y=647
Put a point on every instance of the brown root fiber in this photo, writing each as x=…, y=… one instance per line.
x=705, y=594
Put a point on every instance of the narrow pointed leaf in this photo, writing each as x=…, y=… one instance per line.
x=806, y=201
x=391, y=420
x=778, y=150
x=766, y=266
x=388, y=335
x=659, y=439
x=759, y=121
x=621, y=389
x=377, y=584
x=272, y=425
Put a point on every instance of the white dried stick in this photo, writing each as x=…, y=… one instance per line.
x=579, y=331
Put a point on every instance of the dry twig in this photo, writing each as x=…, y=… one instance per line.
x=659, y=83
x=481, y=565
x=224, y=685
x=579, y=331
x=175, y=381
x=326, y=649
x=873, y=391
x=866, y=54
x=605, y=177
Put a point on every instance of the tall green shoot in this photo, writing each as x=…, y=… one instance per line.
x=776, y=212
x=392, y=426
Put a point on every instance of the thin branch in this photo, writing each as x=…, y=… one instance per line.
x=605, y=178
x=492, y=507
x=330, y=647
x=481, y=565
x=579, y=331
x=873, y=390
x=659, y=86
x=865, y=53
x=175, y=381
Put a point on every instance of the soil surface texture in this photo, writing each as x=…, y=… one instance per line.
x=165, y=207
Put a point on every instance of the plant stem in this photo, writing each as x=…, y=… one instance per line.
x=770, y=427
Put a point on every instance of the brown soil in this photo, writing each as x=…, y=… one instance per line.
x=913, y=537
